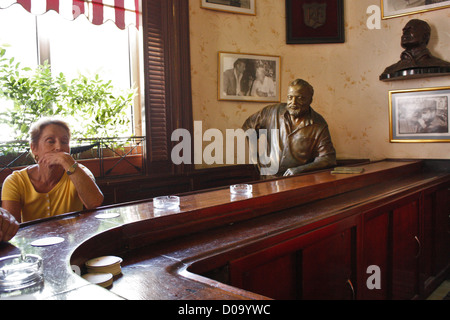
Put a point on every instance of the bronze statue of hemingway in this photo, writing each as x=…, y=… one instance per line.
x=304, y=142
x=416, y=57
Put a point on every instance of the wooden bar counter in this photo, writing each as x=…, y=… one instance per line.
x=312, y=236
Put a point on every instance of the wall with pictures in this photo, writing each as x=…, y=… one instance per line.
x=345, y=76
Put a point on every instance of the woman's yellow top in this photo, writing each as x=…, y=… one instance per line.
x=63, y=198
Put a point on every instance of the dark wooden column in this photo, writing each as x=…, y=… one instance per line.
x=167, y=72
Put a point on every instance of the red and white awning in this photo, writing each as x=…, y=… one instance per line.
x=122, y=12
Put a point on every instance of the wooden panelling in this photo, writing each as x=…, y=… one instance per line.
x=145, y=187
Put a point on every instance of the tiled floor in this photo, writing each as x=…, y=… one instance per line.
x=442, y=292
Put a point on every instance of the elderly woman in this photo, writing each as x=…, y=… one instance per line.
x=56, y=184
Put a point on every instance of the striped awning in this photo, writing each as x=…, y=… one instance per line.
x=122, y=12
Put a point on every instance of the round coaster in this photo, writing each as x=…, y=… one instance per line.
x=105, y=261
x=107, y=215
x=106, y=264
x=101, y=279
x=44, y=242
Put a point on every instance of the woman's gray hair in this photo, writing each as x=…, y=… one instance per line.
x=37, y=128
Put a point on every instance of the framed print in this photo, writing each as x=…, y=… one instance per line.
x=249, y=77
x=420, y=115
x=315, y=21
x=398, y=8
x=236, y=6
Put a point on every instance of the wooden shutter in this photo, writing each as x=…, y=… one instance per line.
x=167, y=79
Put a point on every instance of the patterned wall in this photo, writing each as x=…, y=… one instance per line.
x=345, y=76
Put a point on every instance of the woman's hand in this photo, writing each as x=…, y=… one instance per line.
x=62, y=159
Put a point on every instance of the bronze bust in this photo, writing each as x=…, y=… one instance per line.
x=416, y=60
x=302, y=141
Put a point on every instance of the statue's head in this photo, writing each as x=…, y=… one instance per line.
x=416, y=33
x=300, y=97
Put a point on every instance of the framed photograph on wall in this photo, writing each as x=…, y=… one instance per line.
x=420, y=115
x=398, y=8
x=235, y=6
x=318, y=21
x=248, y=77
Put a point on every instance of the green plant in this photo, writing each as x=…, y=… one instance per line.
x=92, y=106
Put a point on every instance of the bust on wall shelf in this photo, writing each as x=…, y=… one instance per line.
x=416, y=61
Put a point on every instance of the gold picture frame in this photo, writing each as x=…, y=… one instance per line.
x=398, y=8
x=260, y=80
x=247, y=7
x=419, y=115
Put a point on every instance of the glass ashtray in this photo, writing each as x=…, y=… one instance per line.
x=20, y=271
x=166, y=202
x=241, y=189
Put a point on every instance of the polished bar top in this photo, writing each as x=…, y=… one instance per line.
x=159, y=246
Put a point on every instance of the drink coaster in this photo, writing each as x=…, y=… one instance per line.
x=105, y=264
x=44, y=242
x=104, y=280
x=110, y=215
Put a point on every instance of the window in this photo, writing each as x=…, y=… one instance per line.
x=73, y=48
x=77, y=46
x=163, y=42
x=20, y=44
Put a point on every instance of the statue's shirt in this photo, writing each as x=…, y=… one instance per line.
x=294, y=145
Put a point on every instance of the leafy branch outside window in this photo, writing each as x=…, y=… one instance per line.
x=91, y=106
